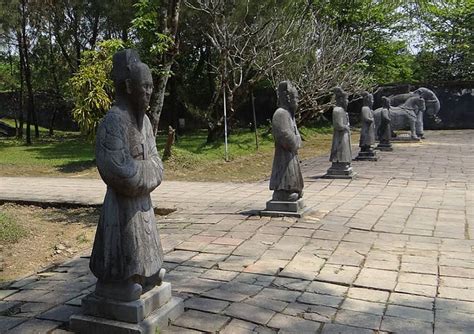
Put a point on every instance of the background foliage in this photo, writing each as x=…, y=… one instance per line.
x=210, y=47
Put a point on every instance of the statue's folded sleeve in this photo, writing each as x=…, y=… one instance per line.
x=116, y=164
x=284, y=131
x=339, y=120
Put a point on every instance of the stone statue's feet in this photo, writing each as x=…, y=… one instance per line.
x=152, y=281
x=293, y=197
x=125, y=291
x=286, y=196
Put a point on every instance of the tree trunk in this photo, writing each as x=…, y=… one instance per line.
x=216, y=131
x=27, y=69
x=51, y=123
x=55, y=78
x=169, y=143
x=19, y=133
x=170, y=27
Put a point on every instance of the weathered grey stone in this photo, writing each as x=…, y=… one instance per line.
x=285, y=208
x=358, y=319
x=367, y=131
x=202, y=321
x=206, y=304
x=9, y=322
x=251, y=313
x=291, y=324
x=343, y=329
x=134, y=311
x=60, y=313
x=35, y=326
x=127, y=256
x=237, y=326
x=159, y=318
x=406, y=326
x=409, y=114
x=5, y=306
x=341, y=152
x=286, y=180
x=127, y=253
x=432, y=105
x=317, y=299
x=384, y=130
x=6, y=293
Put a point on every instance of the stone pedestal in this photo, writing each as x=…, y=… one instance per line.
x=338, y=171
x=384, y=147
x=366, y=156
x=153, y=310
x=405, y=138
x=284, y=209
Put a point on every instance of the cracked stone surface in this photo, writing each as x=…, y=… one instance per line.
x=390, y=251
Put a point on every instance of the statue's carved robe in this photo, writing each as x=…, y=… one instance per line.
x=286, y=172
x=367, y=132
x=341, y=139
x=385, y=131
x=127, y=241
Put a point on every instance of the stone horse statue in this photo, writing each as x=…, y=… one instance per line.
x=408, y=115
x=431, y=102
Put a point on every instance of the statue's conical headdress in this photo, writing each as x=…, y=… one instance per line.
x=121, y=63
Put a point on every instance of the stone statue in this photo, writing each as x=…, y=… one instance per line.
x=286, y=180
x=367, y=132
x=431, y=102
x=127, y=256
x=385, y=131
x=341, y=154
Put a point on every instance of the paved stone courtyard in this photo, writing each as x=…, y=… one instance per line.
x=391, y=251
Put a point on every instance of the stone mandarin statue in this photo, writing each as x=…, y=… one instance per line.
x=385, y=131
x=286, y=180
x=341, y=153
x=127, y=256
x=367, y=132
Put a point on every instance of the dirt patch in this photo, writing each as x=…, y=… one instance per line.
x=51, y=236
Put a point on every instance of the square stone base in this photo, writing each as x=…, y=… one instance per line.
x=284, y=209
x=366, y=156
x=159, y=318
x=405, y=138
x=134, y=311
x=384, y=147
x=338, y=173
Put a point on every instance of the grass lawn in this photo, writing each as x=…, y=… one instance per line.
x=70, y=154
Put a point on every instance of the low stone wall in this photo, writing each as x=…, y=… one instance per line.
x=45, y=104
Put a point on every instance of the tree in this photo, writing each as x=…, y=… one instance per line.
x=91, y=87
x=448, y=30
x=380, y=26
x=246, y=40
x=322, y=58
x=156, y=23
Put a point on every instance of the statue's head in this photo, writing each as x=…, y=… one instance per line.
x=367, y=99
x=385, y=102
x=132, y=79
x=342, y=98
x=287, y=96
x=432, y=102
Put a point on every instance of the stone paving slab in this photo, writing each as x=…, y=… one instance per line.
x=390, y=251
